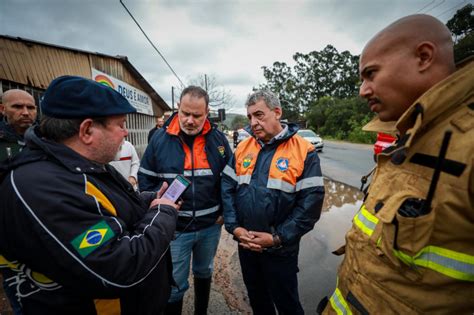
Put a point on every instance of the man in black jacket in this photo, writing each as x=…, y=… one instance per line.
x=72, y=230
x=19, y=113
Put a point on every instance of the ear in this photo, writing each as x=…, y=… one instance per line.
x=2, y=108
x=86, y=131
x=278, y=112
x=426, y=53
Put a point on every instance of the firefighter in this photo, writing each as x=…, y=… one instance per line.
x=410, y=249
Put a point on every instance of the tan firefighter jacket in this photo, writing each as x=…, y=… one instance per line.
x=395, y=261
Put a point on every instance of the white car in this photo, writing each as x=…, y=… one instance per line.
x=242, y=136
x=313, y=138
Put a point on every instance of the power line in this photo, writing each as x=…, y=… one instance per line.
x=156, y=49
x=425, y=7
x=435, y=6
x=452, y=8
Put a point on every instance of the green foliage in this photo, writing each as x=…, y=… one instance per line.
x=315, y=75
x=239, y=121
x=341, y=118
x=461, y=26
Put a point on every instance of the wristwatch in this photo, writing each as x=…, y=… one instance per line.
x=276, y=241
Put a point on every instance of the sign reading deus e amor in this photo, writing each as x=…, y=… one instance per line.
x=139, y=99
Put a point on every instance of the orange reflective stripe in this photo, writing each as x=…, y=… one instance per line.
x=288, y=161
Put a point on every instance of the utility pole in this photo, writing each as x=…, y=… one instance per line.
x=172, y=98
x=205, y=81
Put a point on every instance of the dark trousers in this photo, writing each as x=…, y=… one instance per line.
x=271, y=282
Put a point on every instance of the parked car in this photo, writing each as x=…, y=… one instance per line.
x=241, y=137
x=312, y=137
x=383, y=141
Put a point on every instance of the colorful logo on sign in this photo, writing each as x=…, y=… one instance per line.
x=91, y=239
x=247, y=160
x=102, y=79
x=221, y=150
x=282, y=164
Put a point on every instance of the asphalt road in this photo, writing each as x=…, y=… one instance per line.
x=346, y=162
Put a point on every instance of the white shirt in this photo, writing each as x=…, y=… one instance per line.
x=126, y=161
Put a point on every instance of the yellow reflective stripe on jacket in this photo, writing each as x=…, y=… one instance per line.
x=445, y=261
x=366, y=221
x=339, y=304
x=93, y=191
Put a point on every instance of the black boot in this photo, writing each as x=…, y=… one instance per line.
x=202, y=288
x=174, y=308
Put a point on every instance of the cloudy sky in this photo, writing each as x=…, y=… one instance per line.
x=230, y=40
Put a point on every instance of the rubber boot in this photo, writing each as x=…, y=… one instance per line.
x=202, y=288
x=174, y=308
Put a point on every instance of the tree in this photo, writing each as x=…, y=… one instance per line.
x=315, y=75
x=219, y=97
x=239, y=122
x=341, y=118
x=461, y=26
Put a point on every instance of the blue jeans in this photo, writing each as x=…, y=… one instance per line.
x=202, y=245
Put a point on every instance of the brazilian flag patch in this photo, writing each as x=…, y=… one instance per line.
x=93, y=238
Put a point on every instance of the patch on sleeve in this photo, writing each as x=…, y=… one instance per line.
x=93, y=238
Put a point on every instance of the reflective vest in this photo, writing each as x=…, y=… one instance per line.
x=409, y=262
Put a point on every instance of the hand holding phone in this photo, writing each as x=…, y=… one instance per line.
x=177, y=187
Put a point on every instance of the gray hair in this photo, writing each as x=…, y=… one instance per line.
x=59, y=130
x=270, y=99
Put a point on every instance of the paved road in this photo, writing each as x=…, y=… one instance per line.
x=346, y=162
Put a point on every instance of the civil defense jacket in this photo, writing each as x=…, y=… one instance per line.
x=167, y=155
x=72, y=231
x=399, y=260
x=275, y=188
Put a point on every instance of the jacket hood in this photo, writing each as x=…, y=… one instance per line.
x=172, y=126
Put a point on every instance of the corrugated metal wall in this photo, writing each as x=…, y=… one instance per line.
x=36, y=65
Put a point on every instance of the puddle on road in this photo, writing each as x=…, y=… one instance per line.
x=317, y=276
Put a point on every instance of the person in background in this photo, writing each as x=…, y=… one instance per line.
x=126, y=162
x=72, y=230
x=272, y=194
x=410, y=249
x=190, y=145
x=159, y=124
x=19, y=113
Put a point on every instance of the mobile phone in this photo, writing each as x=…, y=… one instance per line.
x=177, y=187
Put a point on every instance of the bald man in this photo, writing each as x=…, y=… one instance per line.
x=410, y=251
x=19, y=113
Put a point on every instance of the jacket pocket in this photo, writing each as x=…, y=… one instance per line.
x=376, y=299
x=413, y=233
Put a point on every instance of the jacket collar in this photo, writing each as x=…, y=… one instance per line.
x=39, y=148
x=8, y=133
x=289, y=130
x=173, y=128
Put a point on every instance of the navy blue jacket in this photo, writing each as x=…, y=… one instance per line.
x=167, y=155
x=277, y=188
x=74, y=231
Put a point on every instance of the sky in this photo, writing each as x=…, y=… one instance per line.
x=230, y=40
